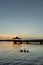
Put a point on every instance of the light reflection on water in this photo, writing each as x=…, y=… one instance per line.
x=10, y=54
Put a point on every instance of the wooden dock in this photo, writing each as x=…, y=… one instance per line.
x=22, y=40
x=27, y=41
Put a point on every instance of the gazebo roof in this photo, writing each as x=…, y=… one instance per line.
x=16, y=38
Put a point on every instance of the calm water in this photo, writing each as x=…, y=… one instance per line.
x=10, y=54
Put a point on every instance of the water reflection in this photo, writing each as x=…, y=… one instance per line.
x=20, y=46
x=10, y=54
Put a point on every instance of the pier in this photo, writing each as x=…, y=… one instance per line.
x=20, y=40
x=17, y=39
x=27, y=41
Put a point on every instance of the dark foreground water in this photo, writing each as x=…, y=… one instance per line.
x=10, y=54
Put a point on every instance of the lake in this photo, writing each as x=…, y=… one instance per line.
x=10, y=54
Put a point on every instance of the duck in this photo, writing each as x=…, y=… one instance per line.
x=24, y=50
x=21, y=50
x=27, y=51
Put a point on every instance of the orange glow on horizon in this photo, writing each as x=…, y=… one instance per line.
x=9, y=36
x=12, y=35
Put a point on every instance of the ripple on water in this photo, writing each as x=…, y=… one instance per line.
x=10, y=55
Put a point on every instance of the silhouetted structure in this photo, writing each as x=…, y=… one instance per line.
x=17, y=39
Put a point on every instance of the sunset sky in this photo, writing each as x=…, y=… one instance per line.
x=21, y=18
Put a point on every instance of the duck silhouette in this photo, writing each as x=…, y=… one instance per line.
x=27, y=51
x=21, y=50
x=24, y=50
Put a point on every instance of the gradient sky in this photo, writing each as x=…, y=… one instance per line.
x=21, y=17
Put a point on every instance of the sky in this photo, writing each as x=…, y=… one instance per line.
x=21, y=18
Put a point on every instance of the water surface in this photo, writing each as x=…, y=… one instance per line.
x=10, y=54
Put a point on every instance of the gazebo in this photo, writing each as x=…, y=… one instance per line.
x=17, y=39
